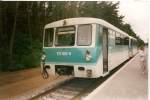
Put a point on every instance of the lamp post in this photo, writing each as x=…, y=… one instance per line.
x=45, y=6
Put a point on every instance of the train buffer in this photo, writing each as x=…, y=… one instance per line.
x=126, y=84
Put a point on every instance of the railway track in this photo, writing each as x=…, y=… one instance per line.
x=75, y=89
x=67, y=90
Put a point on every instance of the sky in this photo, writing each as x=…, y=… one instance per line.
x=137, y=15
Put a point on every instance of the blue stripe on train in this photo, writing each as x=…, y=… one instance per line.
x=71, y=55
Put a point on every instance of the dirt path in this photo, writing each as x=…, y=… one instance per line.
x=24, y=84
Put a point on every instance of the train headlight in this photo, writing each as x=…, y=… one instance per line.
x=43, y=57
x=88, y=56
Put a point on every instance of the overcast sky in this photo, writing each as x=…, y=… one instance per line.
x=137, y=15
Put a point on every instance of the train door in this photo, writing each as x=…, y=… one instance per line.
x=105, y=50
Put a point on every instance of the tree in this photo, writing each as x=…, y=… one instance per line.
x=13, y=36
x=127, y=28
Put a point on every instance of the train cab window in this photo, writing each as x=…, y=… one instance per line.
x=48, y=37
x=65, y=36
x=118, y=39
x=84, y=37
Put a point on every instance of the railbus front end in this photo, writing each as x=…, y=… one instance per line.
x=71, y=50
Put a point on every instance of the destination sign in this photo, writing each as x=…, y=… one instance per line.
x=64, y=29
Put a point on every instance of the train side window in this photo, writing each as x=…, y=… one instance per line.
x=118, y=39
x=126, y=40
x=131, y=42
x=48, y=37
x=99, y=31
x=111, y=37
x=122, y=39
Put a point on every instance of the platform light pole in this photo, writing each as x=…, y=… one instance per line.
x=45, y=6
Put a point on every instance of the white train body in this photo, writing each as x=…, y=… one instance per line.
x=85, y=47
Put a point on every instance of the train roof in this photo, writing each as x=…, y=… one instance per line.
x=84, y=20
x=132, y=38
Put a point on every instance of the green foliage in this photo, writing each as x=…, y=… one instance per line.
x=32, y=59
x=28, y=35
x=140, y=42
x=27, y=56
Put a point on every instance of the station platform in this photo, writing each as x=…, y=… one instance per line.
x=129, y=83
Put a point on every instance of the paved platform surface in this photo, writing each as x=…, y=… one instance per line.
x=129, y=83
x=22, y=85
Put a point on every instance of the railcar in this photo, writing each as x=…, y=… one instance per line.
x=84, y=47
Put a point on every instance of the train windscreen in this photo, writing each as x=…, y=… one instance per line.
x=65, y=36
